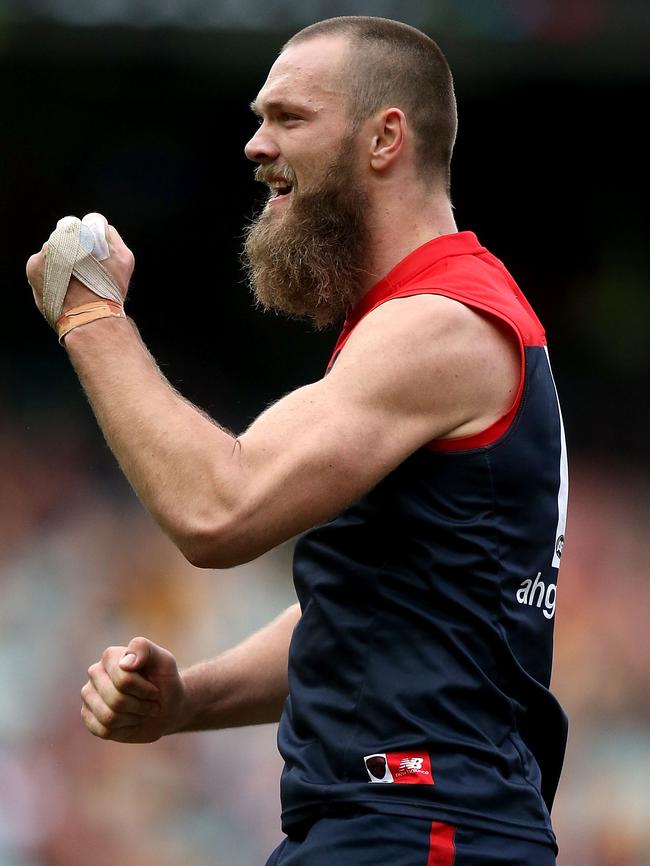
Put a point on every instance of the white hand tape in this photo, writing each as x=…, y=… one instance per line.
x=74, y=249
x=92, y=236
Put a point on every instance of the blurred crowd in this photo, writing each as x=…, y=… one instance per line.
x=83, y=567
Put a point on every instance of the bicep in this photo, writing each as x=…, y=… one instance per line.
x=407, y=375
x=315, y=452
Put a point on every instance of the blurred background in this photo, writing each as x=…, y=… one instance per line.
x=139, y=109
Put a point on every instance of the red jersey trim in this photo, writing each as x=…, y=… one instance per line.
x=442, y=850
x=494, y=431
x=411, y=270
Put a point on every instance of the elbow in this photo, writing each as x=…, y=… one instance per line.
x=211, y=555
x=222, y=544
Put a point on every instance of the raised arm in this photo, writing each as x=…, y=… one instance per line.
x=413, y=370
x=136, y=694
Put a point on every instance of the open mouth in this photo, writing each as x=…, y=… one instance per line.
x=280, y=181
x=280, y=191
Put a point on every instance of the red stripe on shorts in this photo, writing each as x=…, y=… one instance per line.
x=442, y=850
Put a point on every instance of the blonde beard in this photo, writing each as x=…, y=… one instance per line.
x=307, y=262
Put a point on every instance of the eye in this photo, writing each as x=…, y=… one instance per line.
x=286, y=117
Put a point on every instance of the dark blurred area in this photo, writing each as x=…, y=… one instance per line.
x=139, y=110
x=148, y=127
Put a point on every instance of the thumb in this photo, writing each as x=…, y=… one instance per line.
x=137, y=654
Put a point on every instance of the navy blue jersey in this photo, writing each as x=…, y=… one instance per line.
x=419, y=670
x=359, y=838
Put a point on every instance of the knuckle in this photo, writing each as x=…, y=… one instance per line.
x=121, y=680
x=118, y=702
x=93, y=725
x=107, y=717
x=108, y=652
x=94, y=670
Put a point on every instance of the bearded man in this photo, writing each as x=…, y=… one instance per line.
x=426, y=471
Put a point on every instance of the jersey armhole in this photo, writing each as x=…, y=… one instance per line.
x=501, y=426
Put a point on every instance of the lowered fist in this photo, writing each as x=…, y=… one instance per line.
x=134, y=694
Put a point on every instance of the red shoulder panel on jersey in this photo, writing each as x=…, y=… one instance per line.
x=458, y=267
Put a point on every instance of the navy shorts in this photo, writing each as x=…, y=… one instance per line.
x=373, y=839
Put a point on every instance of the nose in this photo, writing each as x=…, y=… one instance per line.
x=261, y=148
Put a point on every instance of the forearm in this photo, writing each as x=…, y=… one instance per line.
x=246, y=685
x=183, y=467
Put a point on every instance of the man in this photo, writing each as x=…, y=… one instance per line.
x=427, y=470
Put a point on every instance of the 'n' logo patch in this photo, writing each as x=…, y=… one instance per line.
x=403, y=768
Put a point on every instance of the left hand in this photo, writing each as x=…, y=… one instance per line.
x=134, y=694
x=119, y=264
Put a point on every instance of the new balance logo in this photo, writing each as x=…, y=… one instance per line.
x=403, y=768
x=536, y=593
x=411, y=765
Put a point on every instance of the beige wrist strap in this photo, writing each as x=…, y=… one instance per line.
x=86, y=313
x=73, y=249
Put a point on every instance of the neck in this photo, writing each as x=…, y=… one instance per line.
x=401, y=225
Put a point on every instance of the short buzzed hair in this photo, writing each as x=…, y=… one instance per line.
x=392, y=63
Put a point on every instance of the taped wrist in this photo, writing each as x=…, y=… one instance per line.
x=85, y=313
x=70, y=253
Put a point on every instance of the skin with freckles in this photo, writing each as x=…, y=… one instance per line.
x=413, y=370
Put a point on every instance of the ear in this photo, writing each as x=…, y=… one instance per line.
x=388, y=139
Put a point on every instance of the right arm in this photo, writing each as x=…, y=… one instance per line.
x=136, y=694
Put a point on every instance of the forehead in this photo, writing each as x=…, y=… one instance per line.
x=309, y=72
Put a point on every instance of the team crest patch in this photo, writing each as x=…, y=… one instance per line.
x=403, y=768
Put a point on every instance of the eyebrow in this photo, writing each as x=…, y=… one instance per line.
x=275, y=104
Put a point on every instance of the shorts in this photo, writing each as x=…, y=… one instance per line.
x=373, y=839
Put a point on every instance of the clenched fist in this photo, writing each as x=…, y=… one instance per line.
x=134, y=694
x=119, y=264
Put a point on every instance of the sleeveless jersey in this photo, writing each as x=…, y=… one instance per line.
x=419, y=670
